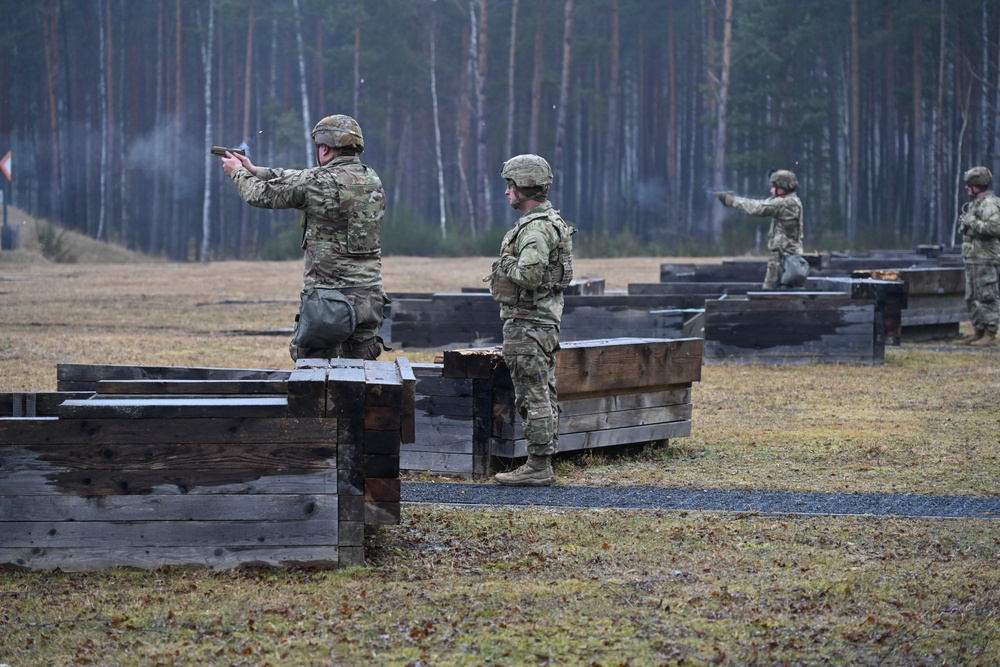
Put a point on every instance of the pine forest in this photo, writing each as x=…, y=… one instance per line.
x=644, y=108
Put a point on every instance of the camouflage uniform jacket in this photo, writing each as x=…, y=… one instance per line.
x=343, y=204
x=980, y=228
x=530, y=257
x=785, y=233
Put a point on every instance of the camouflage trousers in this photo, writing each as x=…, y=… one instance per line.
x=530, y=353
x=364, y=343
x=982, y=295
x=772, y=279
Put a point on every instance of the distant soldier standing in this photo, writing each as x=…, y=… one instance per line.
x=979, y=225
x=785, y=210
x=535, y=266
x=343, y=204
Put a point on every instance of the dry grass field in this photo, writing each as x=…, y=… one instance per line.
x=516, y=586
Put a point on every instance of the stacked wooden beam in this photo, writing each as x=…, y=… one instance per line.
x=935, y=299
x=152, y=466
x=777, y=327
x=612, y=392
x=466, y=319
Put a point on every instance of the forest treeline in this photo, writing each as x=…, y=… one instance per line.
x=644, y=108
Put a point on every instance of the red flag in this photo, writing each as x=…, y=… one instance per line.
x=5, y=165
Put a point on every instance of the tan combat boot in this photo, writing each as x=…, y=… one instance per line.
x=969, y=340
x=537, y=471
x=989, y=339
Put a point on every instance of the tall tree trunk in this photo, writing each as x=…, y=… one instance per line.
x=443, y=218
x=673, y=132
x=207, y=52
x=303, y=89
x=50, y=24
x=918, y=225
x=567, y=53
x=464, y=118
x=176, y=232
x=508, y=144
x=159, y=98
x=996, y=121
x=939, y=153
x=612, y=133
x=102, y=93
x=247, y=98
x=481, y=78
x=536, y=81
x=854, y=185
x=722, y=98
x=357, y=66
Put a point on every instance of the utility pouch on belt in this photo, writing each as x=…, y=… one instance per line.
x=502, y=289
x=326, y=318
x=794, y=271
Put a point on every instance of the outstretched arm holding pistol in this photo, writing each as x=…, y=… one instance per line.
x=233, y=159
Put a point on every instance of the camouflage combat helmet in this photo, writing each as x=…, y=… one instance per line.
x=338, y=132
x=784, y=179
x=979, y=176
x=527, y=171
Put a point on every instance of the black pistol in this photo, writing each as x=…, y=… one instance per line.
x=221, y=151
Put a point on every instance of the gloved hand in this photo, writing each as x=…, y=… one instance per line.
x=725, y=197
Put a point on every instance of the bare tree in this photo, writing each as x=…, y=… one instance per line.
x=442, y=220
x=722, y=96
x=480, y=80
x=508, y=144
x=207, y=51
x=102, y=93
x=306, y=127
x=563, y=93
x=854, y=181
x=612, y=138
x=919, y=209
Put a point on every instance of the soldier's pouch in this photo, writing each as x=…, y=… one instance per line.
x=502, y=289
x=326, y=318
x=794, y=271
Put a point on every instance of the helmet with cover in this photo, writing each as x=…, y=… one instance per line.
x=527, y=171
x=978, y=176
x=784, y=179
x=339, y=131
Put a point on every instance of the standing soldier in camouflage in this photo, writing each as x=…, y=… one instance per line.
x=979, y=225
x=535, y=266
x=343, y=203
x=785, y=210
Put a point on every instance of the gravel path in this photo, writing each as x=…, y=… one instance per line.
x=762, y=502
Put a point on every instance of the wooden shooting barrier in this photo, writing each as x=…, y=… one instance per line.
x=159, y=466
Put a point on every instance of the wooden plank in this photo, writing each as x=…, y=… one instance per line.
x=595, y=366
x=179, y=407
x=36, y=403
x=167, y=456
x=594, y=439
x=441, y=433
x=223, y=431
x=583, y=423
x=221, y=507
x=190, y=387
x=570, y=404
x=83, y=377
x=166, y=482
x=78, y=559
x=132, y=535
x=306, y=389
x=600, y=365
x=407, y=426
